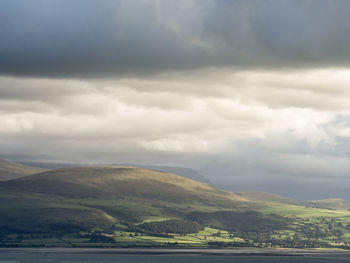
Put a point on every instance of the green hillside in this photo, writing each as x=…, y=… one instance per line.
x=128, y=206
x=104, y=195
x=120, y=182
x=335, y=203
x=10, y=170
x=266, y=197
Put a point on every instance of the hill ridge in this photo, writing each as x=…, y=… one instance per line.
x=267, y=197
x=11, y=170
x=119, y=181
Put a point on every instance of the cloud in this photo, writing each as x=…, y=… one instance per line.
x=89, y=39
x=204, y=107
x=254, y=94
x=283, y=163
x=246, y=130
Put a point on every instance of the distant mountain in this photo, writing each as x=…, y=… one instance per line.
x=182, y=171
x=333, y=203
x=266, y=197
x=51, y=165
x=11, y=170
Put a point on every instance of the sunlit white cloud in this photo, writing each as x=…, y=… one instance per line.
x=191, y=113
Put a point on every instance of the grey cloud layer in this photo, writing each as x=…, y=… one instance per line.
x=245, y=130
x=291, y=168
x=104, y=38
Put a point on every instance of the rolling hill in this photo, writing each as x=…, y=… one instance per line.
x=104, y=195
x=131, y=206
x=335, y=203
x=181, y=171
x=119, y=182
x=10, y=170
x=266, y=197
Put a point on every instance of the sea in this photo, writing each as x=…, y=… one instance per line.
x=30, y=257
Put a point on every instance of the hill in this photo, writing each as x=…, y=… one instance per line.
x=128, y=206
x=10, y=170
x=181, y=171
x=87, y=197
x=334, y=203
x=120, y=182
x=266, y=197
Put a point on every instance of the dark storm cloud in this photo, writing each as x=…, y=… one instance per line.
x=103, y=38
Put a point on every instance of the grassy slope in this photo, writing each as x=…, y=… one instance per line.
x=120, y=182
x=266, y=197
x=11, y=170
x=336, y=204
x=109, y=193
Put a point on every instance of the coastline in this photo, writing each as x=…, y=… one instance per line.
x=216, y=252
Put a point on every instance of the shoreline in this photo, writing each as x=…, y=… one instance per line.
x=167, y=251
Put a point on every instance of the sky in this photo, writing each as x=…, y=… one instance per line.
x=252, y=94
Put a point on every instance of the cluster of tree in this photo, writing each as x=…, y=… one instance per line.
x=248, y=221
x=176, y=226
x=295, y=243
x=324, y=230
x=230, y=244
x=98, y=237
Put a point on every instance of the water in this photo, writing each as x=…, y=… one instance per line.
x=109, y=258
